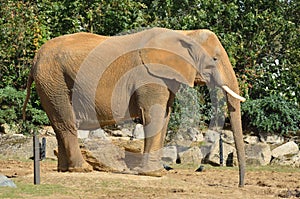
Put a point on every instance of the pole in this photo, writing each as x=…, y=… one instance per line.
x=221, y=150
x=36, y=158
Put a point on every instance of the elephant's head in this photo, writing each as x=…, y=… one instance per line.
x=210, y=42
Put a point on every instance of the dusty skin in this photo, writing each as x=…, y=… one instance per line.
x=183, y=182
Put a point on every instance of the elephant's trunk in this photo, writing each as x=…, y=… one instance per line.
x=236, y=125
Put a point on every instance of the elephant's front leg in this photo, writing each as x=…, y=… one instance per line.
x=155, y=120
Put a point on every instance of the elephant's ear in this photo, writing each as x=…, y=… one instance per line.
x=168, y=64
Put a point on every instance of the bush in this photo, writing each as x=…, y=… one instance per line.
x=11, y=102
x=271, y=114
x=191, y=109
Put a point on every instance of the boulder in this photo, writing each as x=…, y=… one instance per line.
x=271, y=138
x=8, y=129
x=227, y=137
x=138, y=132
x=195, y=135
x=99, y=134
x=229, y=155
x=258, y=154
x=289, y=148
x=103, y=155
x=184, y=138
x=20, y=146
x=17, y=146
x=179, y=138
x=6, y=182
x=211, y=136
x=46, y=131
x=126, y=132
x=169, y=154
x=51, y=145
x=82, y=134
x=251, y=139
x=193, y=156
x=287, y=160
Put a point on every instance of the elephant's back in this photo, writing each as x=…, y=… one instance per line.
x=64, y=54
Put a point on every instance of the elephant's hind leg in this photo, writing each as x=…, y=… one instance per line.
x=57, y=105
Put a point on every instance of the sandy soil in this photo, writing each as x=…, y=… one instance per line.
x=212, y=183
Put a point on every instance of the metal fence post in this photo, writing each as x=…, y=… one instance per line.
x=36, y=158
x=221, y=150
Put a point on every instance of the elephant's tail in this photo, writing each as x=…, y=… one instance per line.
x=29, y=82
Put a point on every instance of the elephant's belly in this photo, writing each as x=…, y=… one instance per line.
x=103, y=116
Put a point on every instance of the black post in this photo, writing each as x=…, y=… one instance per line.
x=36, y=158
x=221, y=149
x=43, y=149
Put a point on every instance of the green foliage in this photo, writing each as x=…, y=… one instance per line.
x=272, y=114
x=260, y=37
x=11, y=103
x=190, y=109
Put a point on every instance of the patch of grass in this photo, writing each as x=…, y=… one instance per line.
x=29, y=190
x=270, y=168
x=273, y=168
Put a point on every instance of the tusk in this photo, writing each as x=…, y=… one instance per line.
x=233, y=94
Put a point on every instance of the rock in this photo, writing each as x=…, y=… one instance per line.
x=20, y=146
x=133, y=151
x=271, y=139
x=169, y=154
x=138, y=132
x=293, y=161
x=195, y=135
x=121, y=133
x=51, y=145
x=98, y=133
x=184, y=138
x=211, y=136
x=46, y=131
x=5, y=182
x=192, y=155
x=258, y=154
x=179, y=139
x=250, y=139
x=126, y=132
x=227, y=136
x=9, y=129
x=83, y=134
x=205, y=149
x=103, y=155
x=229, y=155
x=16, y=146
x=285, y=149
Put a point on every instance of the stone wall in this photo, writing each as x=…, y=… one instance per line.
x=106, y=148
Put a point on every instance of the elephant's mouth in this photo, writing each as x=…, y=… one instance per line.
x=233, y=94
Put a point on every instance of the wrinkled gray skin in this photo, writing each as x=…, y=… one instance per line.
x=86, y=81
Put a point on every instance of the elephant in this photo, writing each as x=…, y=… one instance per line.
x=87, y=81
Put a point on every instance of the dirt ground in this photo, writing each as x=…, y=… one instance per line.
x=182, y=182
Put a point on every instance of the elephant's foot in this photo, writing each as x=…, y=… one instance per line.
x=150, y=166
x=157, y=173
x=84, y=168
x=62, y=169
